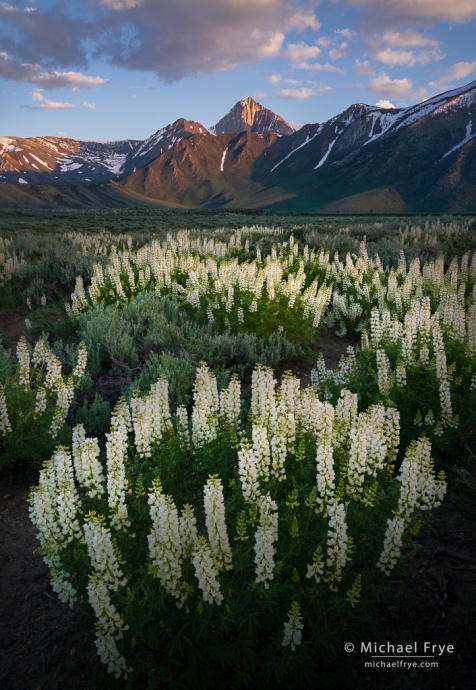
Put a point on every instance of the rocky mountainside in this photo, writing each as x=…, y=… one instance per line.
x=249, y=116
x=57, y=160
x=421, y=159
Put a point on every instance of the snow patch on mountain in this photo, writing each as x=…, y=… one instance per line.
x=223, y=160
x=467, y=138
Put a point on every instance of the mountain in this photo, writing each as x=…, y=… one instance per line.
x=249, y=116
x=416, y=159
x=57, y=160
x=421, y=158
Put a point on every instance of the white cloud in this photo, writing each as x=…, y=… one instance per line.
x=384, y=103
x=36, y=95
x=324, y=42
x=122, y=4
x=457, y=11
x=49, y=105
x=304, y=92
x=304, y=20
x=347, y=33
x=399, y=89
x=86, y=104
x=408, y=39
x=299, y=55
x=460, y=70
x=34, y=74
x=277, y=79
x=339, y=52
x=364, y=68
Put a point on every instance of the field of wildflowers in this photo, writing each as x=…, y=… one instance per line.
x=219, y=521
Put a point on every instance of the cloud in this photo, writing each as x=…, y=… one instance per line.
x=34, y=74
x=409, y=58
x=364, y=68
x=399, y=89
x=437, y=10
x=46, y=36
x=324, y=42
x=336, y=53
x=299, y=55
x=384, y=103
x=49, y=105
x=460, y=70
x=122, y=4
x=86, y=104
x=172, y=39
x=408, y=39
x=303, y=93
x=178, y=39
x=277, y=79
x=346, y=33
x=36, y=95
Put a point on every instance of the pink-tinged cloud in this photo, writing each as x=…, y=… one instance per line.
x=408, y=39
x=384, y=103
x=399, y=89
x=460, y=70
x=303, y=92
x=34, y=74
x=436, y=10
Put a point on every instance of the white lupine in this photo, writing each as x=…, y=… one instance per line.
x=248, y=472
x=80, y=367
x=358, y=456
x=205, y=408
x=181, y=423
x=337, y=544
x=263, y=400
x=64, y=398
x=293, y=627
x=215, y=522
x=23, y=357
x=165, y=547
x=401, y=374
x=188, y=530
x=44, y=515
x=392, y=433
x=109, y=627
x=392, y=544
x=265, y=537
x=39, y=353
x=141, y=413
x=5, y=426
x=67, y=499
x=103, y=556
x=261, y=450
x=159, y=397
x=230, y=403
x=86, y=463
x=325, y=477
x=383, y=372
x=419, y=490
x=116, y=453
x=53, y=376
x=206, y=571
x=40, y=401
x=346, y=414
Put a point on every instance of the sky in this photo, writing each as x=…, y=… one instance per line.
x=106, y=70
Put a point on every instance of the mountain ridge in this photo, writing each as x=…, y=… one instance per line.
x=420, y=158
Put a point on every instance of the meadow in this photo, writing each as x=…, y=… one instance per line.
x=224, y=506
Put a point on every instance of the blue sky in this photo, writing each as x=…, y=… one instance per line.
x=115, y=69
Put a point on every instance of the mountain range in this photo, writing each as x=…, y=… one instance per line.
x=368, y=158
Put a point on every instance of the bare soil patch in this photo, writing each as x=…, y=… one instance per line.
x=44, y=645
x=12, y=324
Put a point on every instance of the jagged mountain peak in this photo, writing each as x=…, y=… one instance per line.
x=249, y=115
